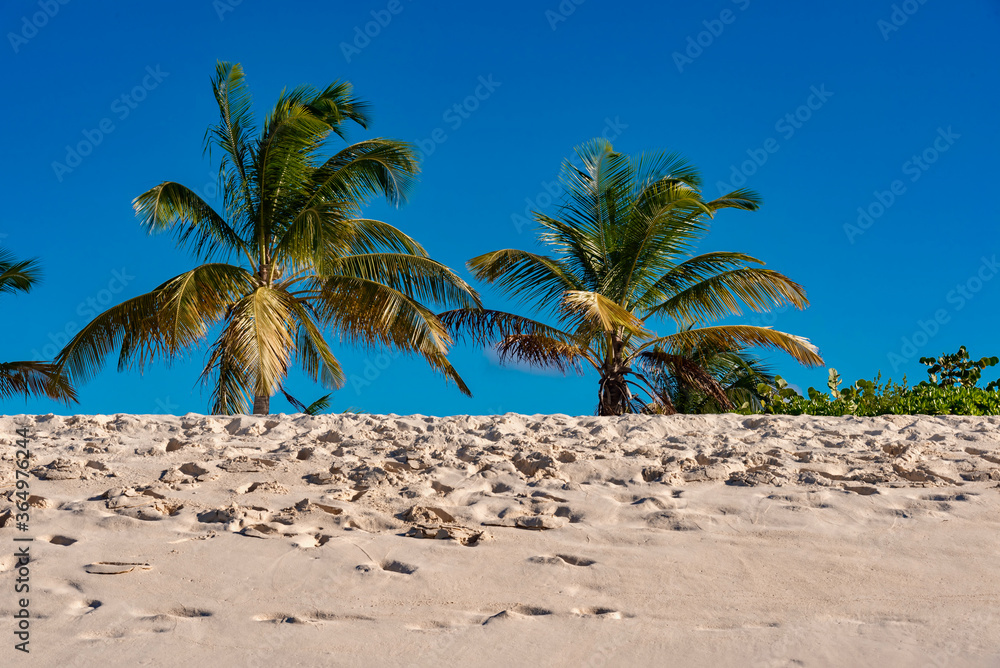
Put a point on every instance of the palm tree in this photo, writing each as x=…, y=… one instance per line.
x=27, y=378
x=738, y=373
x=306, y=261
x=620, y=245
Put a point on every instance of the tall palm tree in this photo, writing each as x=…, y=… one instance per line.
x=620, y=259
x=29, y=377
x=305, y=259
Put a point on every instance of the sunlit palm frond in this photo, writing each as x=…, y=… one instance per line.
x=260, y=333
x=372, y=314
x=529, y=277
x=737, y=336
x=233, y=378
x=372, y=168
x=420, y=278
x=313, y=352
x=160, y=323
x=744, y=199
x=599, y=313
x=721, y=295
x=233, y=134
x=171, y=206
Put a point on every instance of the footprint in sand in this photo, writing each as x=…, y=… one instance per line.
x=602, y=613
x=517, y=612
x=563, y=559
x=311, y=618
x=398, y=567
x=116, y=567
x=188, y=613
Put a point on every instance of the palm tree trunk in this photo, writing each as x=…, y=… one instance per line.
x=614, y=397
x=261, y=404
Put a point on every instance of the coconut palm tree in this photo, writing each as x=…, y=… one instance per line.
x=27, y=378
x=287, y=257
x=620, y=260
x=738, y=373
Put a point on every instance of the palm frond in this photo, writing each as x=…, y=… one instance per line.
x=529, y=277
x=232, y=134
x=541, y=351
x=42, y=379
x=17, y=275
x=600, y=313
x=736, y=336
x=685, y=372
x=483, y=327
x=173, y=316
x=423, y=279
x=171, y=206
x=720, y=296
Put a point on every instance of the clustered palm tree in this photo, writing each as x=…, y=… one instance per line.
x=620, y=259
x=28, y=377
x=287, y=258
x=737, y=372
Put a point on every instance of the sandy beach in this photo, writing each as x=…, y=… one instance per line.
x=508, y=540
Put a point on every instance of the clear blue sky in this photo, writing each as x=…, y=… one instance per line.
x=841, y=103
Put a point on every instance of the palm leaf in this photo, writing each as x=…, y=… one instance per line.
x=171, y=206
x=735, y=336
x=17, y=275
x=35, y=378
x=720, y=295
x=540, y=351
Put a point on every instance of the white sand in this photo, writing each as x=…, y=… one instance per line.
x=685, y=540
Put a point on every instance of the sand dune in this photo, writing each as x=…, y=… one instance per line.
x=508, y=540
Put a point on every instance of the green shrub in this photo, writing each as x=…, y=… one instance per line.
x=951, y=390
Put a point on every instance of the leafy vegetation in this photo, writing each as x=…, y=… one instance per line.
x=288, y=256
x=738, y=373
x=28, y=377
x=950, y=390
x=620, y=259
x=958, y=369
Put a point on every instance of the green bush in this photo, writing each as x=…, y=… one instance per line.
x=951, y=390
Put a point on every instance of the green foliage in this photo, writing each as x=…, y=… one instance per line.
x=952, y=391
x=958, y=369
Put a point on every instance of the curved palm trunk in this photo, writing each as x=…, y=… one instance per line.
x=261, y=405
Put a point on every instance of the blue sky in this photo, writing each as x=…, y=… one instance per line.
x=834, y=112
